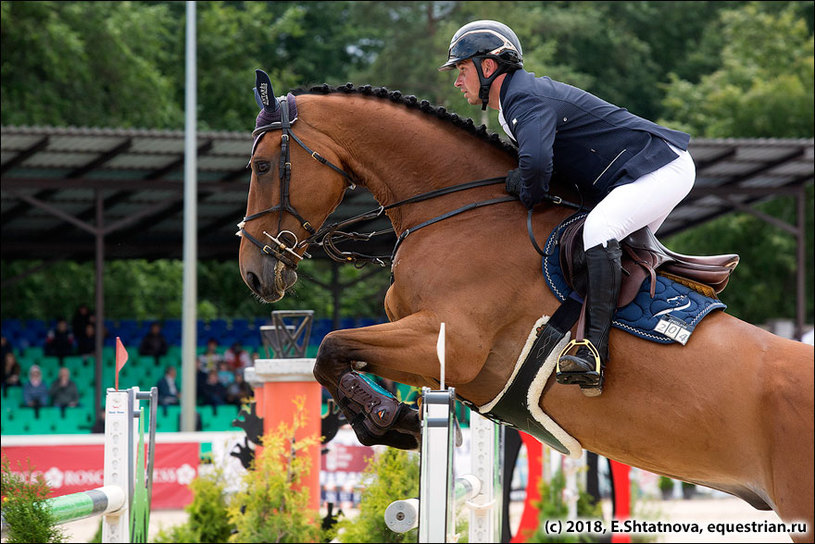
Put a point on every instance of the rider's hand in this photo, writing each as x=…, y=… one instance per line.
x=513, y=184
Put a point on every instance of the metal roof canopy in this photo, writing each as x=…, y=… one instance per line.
x=63, y=187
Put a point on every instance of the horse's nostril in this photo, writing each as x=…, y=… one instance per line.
x=254, y=282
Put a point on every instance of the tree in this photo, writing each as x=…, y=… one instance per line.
x=86, y=64
x=764, y=86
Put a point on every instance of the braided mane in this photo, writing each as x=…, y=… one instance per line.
x=412, y=102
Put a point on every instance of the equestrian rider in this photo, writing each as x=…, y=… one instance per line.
x=634, y=170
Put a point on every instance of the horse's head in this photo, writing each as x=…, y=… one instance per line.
x=290, y=195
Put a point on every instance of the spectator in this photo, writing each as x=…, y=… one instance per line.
x=154, y=343
x=212, y=391
x=225, y=375
x=60, y=340
x=82, y=317
x=11, y=371
x=167, y=388
x=210, y=359
x=237, y=357
x=5, y=347
x=86, y=342
x=35, y=392
x=238, y=390
x=64, y=392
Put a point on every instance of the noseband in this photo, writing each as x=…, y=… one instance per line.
x=285, y=242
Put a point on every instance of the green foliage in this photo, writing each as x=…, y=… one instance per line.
x=273, y=507
x=553, y=507
x=208, y=519
x=392, y=475
x=764, y=84
x=24, y=510
x=87, y=64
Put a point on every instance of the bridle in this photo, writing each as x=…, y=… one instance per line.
x=285, y=242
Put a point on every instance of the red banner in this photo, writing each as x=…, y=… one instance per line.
x=74, y=468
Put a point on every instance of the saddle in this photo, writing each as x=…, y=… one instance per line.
x=643, y=257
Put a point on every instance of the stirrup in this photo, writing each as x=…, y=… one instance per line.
x=590, y=382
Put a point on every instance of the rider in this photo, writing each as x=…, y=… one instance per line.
x=634, y=170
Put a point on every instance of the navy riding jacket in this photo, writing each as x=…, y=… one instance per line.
x=578, y=139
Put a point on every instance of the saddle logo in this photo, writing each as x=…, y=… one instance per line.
x=678, y=300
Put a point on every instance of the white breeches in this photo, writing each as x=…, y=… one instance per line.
x=645, y=202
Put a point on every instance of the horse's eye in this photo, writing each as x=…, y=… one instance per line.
x=261, y=167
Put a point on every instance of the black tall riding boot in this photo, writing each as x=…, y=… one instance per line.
x=603, y=275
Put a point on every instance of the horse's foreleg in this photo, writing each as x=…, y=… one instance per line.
x=407, y=345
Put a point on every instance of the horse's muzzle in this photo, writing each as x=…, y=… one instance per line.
x=272, y=281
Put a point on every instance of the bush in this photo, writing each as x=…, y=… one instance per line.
x=391, y=475
x=208, y=519
x=552, y=506
x=25, y=511
x=273, y=507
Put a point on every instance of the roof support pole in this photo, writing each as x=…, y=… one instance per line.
x=189, y=305
x=800, y=280
x=99, y=236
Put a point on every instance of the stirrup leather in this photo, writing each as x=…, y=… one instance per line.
x=576, y=343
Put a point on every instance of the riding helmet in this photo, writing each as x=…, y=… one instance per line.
x=485, y=39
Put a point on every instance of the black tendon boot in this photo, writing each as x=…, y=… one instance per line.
x=603, y=275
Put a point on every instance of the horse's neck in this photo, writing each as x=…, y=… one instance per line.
x=398, y=153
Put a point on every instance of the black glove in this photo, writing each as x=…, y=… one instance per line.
x=514, y=183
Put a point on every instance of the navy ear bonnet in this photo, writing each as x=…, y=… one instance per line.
x=269, y=116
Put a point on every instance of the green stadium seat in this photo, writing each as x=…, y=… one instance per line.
x=73, y=361
x=13, y=397
x=34, y=352
x=49, y=413
x=26, y=362
x=15, y=426
x=225, y=415
x=49, y=365
x=77, y=420
x=167, y=419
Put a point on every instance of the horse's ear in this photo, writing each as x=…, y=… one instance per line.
x=264, y=95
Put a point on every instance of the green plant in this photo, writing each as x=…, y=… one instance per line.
x=391, y=475
x=273, y=506
x=553, y=507
x=25, y=511
x=688, y=490
x=208, y=519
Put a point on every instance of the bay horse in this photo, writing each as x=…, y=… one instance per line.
x=731, y=410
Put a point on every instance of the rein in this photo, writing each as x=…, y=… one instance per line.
x=330, y=235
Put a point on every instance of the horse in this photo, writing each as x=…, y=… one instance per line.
x=731, y=410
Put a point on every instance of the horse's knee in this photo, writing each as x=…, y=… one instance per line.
x=329, y=364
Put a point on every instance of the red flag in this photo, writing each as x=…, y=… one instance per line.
x=121, y=359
